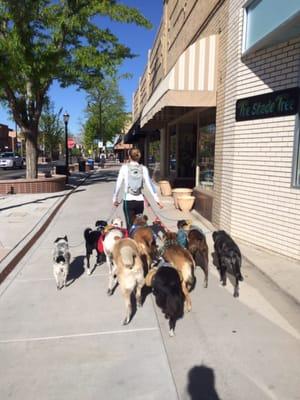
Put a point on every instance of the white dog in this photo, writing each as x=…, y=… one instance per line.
x=61, y=261
x=115, y=233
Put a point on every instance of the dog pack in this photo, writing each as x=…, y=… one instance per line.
x=135, y=179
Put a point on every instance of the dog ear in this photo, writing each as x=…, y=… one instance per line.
x=66, y=239
x=56, y=240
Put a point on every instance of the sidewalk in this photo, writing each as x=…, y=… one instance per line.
x=24, y=217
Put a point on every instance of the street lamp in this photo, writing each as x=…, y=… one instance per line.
x=66, y=120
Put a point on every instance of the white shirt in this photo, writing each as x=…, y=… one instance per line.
x=123, y=176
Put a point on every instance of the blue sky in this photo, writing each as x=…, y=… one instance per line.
x=138, y=39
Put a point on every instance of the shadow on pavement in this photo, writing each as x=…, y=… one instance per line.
x=103, y=176
x=201, y=383
x=76, y=269
x=37, y=201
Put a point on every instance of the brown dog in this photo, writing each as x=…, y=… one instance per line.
x=129, y=272
x=144, y=237
x=197, y=246
x=182, y=260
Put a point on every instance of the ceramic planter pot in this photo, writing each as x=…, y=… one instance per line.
x=165, y=188
x=185, y=203
x=180, y=192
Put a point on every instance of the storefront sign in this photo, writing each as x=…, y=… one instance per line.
x=275, y=104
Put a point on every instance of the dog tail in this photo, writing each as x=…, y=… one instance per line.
x=87, y=233
x=174, y=301
x=175, y=305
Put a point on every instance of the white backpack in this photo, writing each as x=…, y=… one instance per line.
x=135, y=179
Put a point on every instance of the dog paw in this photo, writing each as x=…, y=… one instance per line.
x=88, y=271
x=139, y=304
x=109, y=292
x=126, y=321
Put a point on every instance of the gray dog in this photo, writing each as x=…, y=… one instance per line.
x=61, y=261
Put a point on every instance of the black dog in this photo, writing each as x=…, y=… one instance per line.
x=229, y=258
x=198, y=248
x=166, y=286
x=91, y=242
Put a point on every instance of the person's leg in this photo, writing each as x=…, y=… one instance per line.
x=139, y=207
x=130, y=212
x=131, y=209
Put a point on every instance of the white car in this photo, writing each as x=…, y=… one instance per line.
x=10, y=159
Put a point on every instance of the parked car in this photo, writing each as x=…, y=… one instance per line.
x=10, y=159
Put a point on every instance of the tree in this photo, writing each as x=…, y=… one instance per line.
x=42, y=41
x=106, y=111
x=52, y=129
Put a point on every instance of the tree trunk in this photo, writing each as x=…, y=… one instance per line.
x=31, y=154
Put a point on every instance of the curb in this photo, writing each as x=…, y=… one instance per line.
x=16, y=254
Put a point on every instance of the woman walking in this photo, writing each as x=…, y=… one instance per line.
x=134, y=175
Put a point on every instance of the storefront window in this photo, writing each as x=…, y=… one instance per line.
x=187, y=150
x=172, y=153
x=206, y=151
x=154, y=154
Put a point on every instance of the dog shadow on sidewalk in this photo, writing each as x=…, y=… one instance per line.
x=76, y=269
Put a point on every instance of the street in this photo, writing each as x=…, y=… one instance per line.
x=70, y=344
x=21, y=173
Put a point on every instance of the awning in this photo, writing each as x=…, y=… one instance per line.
x=190, y=83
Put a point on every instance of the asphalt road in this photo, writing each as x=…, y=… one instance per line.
x=18, y=173
x=71, y=344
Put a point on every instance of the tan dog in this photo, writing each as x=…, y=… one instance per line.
x=144, y=237
x=114, y=233
x=128, y=269
x=182, y=260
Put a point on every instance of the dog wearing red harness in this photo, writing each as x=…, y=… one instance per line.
x=114, y=232
x=92, y=240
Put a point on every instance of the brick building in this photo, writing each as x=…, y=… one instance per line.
x=221, y=85
x=4, y=137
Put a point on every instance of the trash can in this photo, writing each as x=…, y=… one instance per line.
x=81, y=165
x=60, y=169
x=90, y=163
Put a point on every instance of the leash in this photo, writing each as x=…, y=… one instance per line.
x=114, y=210
x=159, y=216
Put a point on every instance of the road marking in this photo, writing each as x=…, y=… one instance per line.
x=79, y=335
x=52, y=279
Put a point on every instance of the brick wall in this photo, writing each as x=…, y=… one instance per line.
x=40, y=185
x=254, y=199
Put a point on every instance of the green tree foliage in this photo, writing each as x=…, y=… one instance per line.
x=106, y=112
x=51, y=131
x=45, y=40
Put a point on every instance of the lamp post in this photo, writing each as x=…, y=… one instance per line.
x=66, y=117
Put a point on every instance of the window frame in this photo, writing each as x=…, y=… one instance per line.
x=296, y=153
